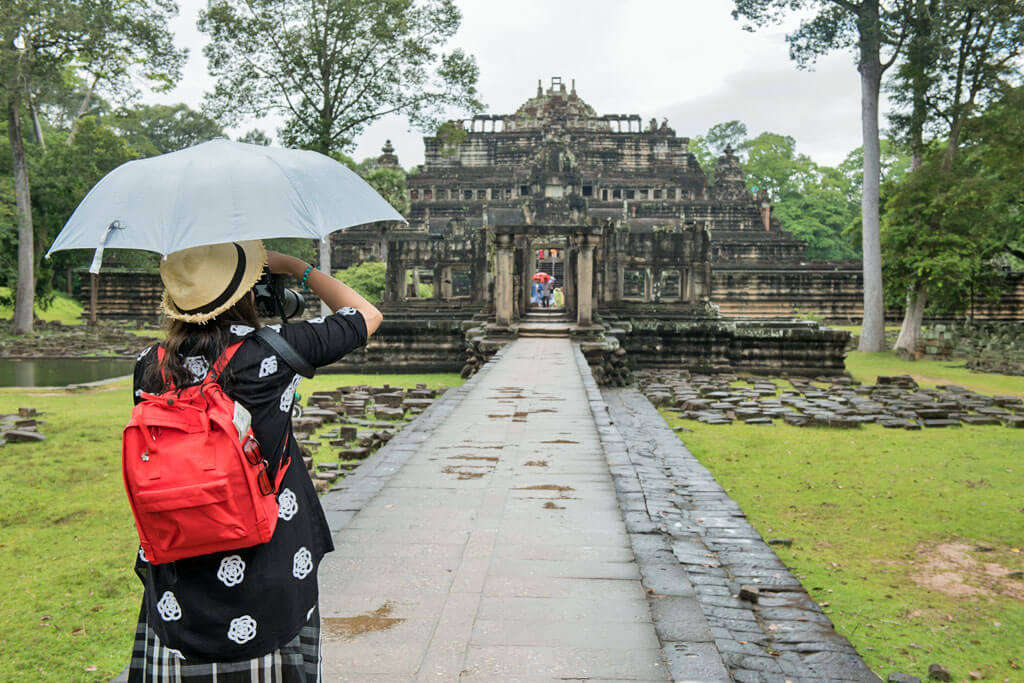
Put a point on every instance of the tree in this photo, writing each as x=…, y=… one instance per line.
x=708, y=147
x=867, y=25
x=40, y=41
x=161, y=128
x=949, y=225
x=960, y=53
x=334, y=66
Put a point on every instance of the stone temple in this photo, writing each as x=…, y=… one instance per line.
x=622, y=215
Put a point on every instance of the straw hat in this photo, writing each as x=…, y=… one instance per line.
x=203, y=282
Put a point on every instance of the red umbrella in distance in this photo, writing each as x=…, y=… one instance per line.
x=541, y=277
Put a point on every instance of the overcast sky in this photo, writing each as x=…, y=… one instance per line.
x=687, y=60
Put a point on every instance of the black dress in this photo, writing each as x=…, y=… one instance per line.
x=245, y=604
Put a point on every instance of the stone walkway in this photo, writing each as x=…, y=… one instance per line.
x=487, y=541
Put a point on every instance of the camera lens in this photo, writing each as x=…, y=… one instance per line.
x=292, y=303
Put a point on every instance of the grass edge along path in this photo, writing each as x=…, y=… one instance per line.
x=886, y=524
x=70, y=598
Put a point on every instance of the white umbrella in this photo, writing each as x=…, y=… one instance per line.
x=220, y=191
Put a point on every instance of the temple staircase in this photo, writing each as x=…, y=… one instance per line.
x=546, y=322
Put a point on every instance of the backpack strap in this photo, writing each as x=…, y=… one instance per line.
x=288, y=354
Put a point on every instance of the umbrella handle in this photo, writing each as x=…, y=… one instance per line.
x=97, y=257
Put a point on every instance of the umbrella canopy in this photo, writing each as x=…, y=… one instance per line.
x=220, y=191
x=541, y=277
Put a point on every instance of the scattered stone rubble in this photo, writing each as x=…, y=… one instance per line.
x=52, y=340
x=21, y=428
x=840, y=402
x=356, y=421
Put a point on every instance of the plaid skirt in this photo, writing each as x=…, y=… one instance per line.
x=297, y=661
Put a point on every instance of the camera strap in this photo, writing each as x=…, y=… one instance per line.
x=287, y=352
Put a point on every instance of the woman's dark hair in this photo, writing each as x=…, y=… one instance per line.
x=193, y=339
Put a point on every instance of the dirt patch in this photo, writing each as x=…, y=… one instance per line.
x=488, y=458
x=536, y=463
x=340, y=628
x=550, y=505
x=958, y=570
x=463, y=474
x=560, y=441
x=497, y=415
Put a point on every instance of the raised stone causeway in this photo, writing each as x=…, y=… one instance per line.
x=525, y=527
x=715, y=586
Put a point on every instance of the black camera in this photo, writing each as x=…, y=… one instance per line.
x=274, y=299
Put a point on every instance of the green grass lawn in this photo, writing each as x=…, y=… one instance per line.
x=63, y=309
x=67, y=542
x=885, y=525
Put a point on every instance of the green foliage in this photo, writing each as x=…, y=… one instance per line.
x=366, y=278
x=389, y=184
x=947, y=222
x=331, y=67
x=158, y=129
x=451, y=134
x=293, y=246
x=815, y=203
x=708, y=147
x=256, y=137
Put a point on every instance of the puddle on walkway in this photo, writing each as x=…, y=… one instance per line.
x=468, y=445
x=560, y=441
x=546, y=487
x=536, y=463
x=463, y=475
x=341, y=628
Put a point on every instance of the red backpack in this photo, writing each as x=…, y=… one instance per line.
x=196, y=479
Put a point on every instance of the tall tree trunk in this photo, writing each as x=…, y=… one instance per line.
x=910, y=330
x=35, y=122
x=872, y=335
x=24, y=297
x=82, y=109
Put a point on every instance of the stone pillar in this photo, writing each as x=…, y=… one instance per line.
x=585, y=284
x=503, y=268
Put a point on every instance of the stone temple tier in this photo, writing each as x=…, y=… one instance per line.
x=620, y=214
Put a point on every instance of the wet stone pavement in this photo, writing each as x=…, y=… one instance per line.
x=527, y=527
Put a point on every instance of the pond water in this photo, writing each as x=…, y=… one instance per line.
x=61, y=371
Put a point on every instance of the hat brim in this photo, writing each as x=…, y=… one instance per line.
x=255, y=260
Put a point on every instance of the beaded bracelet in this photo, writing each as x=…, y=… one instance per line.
x=305, y=276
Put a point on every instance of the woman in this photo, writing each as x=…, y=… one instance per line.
x=248, y=614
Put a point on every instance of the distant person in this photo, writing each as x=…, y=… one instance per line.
x=546, y=293
x=535, y=293
x=559, y=297
x=250, y=613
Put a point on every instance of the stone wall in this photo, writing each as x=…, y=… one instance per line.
x=832, y=291
x=124, y=295
x=758, y=347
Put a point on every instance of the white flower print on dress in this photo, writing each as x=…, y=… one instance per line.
x=287, y=505
x=289, y=394
x=168, y=607
x=276, y=327
x=242, y=629
x=197, y=367
x=310, y=612
x=177, y=653
x=142, y=555
x=144, y=352
x=348, y=310
x=241, y=330
x=319, y=320
x=302, y=563
x=268, y=366
x=232, y=570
